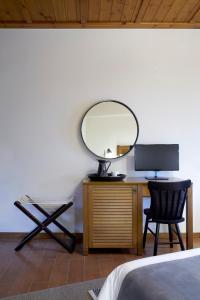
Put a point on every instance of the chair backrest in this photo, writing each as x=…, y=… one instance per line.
x=168, y=199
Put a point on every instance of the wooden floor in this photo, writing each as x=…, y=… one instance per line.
x=43, y=264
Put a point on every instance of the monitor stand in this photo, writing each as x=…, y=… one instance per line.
x=156, y=177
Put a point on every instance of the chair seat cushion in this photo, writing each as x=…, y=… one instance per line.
x=147, y=212
x=168, y=221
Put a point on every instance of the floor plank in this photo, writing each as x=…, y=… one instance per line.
x=76, y=271
x=59, y=270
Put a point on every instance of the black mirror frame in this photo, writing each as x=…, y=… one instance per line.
x=115, y=101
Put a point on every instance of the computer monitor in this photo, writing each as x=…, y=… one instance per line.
x=157, y=157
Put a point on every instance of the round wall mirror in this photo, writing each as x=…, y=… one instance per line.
x=109, y=129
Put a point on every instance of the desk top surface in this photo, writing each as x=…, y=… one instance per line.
x=128, y=180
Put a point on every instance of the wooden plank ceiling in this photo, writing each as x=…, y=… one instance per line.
x=100, y=13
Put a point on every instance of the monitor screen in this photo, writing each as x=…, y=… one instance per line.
x=157, y=157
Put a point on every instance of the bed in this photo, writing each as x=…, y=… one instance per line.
x=174, y=276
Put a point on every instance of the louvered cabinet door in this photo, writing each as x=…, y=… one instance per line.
x=112, y=217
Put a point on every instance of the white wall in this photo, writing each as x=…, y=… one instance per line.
x=49, y=78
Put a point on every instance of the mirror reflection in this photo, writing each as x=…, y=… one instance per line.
x=109, y=129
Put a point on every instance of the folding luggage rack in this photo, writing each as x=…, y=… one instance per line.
x=43, y=225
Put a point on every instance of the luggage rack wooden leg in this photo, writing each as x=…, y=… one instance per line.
x=50, y=218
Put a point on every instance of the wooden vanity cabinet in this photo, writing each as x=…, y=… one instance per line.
x=110, y=216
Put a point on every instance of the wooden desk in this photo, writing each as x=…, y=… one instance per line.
x=113, y=214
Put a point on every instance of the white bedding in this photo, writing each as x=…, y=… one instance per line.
x=111, y=287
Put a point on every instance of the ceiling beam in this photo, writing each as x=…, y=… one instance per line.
x=100, y=25
x=24, y=10
x=83, y=4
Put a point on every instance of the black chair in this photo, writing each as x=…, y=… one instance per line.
x=167, y=204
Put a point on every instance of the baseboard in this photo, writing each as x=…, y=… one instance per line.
x=79, y=235
x=165, y=235
x=42, y=235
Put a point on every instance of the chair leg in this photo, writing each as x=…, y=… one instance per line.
x=156, y=239
x=145, y=232
x=170, y=235
x=180, y=237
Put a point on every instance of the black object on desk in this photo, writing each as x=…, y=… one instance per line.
x=103, y=167
x=106, y=177
x=157, y=157
x=50, y=218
